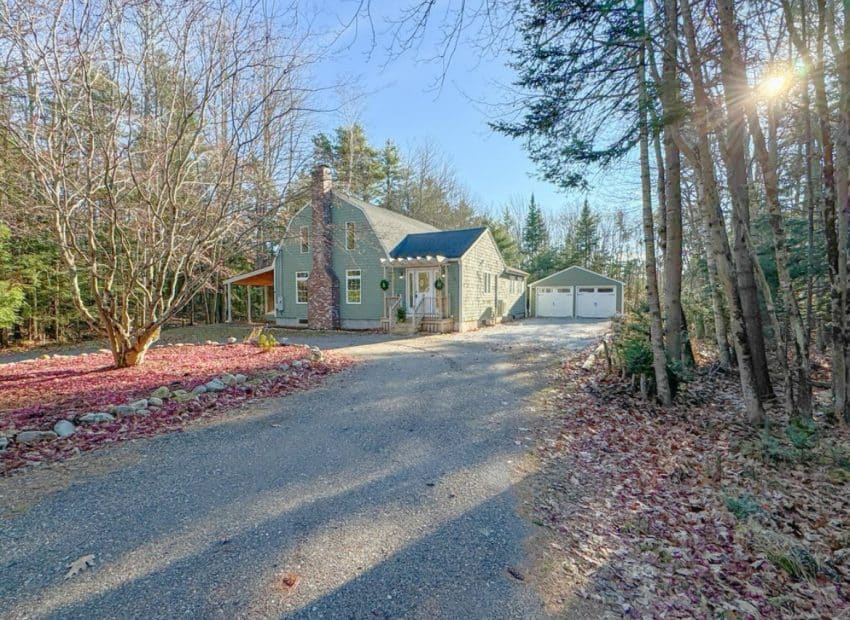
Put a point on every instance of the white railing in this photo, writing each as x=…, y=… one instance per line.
x=391, y=305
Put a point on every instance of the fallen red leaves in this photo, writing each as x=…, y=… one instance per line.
x=686, y=512
x=35, y=394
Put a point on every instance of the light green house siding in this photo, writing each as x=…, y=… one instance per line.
x=365, y=257
x=486, y=293
x=574, y=277
x=512, y=291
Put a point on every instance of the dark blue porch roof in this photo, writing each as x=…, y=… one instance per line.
x=448, y=243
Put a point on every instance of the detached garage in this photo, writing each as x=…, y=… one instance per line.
x=576, y=292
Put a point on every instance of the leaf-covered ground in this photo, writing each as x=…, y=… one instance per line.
x=686, y=512
x=35, y=394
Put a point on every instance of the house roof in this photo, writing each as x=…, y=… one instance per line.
x=448, y=243
x=389, y=226
x=576, y=268
x=513, y=271
x=258, y=277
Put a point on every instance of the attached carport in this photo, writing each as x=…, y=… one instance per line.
x=576, y=292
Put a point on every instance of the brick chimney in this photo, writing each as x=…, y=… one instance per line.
x=323, y=284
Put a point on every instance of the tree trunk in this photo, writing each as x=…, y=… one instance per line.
x=131, y=352
x=659, y=356
x=703, y=163
x=736, y=91
x=799, y=398
x=673, y=313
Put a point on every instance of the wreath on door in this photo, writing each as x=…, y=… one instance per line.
x=385, y=284
x=439, y=284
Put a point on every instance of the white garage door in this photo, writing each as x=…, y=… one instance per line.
x=596, y=302
x=554, y=301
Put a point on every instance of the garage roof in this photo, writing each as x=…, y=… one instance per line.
x=542, y=281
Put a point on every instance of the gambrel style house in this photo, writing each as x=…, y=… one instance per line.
x=347, y=264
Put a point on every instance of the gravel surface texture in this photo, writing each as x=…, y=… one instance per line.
x=385, y=493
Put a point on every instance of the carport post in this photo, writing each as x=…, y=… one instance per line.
x=228, y=293
x=248, y=298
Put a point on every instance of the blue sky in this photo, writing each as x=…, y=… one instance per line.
x=398, y=100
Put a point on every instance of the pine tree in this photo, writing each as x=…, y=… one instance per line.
x=585, y=239
x=535, y=236
x=539, y=258
x=505, y=242
x=11, y=294
x=392, y=176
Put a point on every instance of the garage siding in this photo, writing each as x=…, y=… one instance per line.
x=574, y=277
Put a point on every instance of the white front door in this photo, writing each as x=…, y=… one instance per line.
x=420, y=290
x=555, y=301
x=596, y=302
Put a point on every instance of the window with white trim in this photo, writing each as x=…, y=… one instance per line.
x=350, y=236
x=301, y=286
x=488, y=285
x=353, y=283
x=305, y=240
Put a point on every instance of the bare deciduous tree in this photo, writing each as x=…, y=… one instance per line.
x=145, y=131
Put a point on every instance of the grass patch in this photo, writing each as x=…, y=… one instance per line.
x=743, y=506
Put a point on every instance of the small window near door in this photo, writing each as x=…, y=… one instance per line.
x=563, y=290
x=586, y=290
x=305, y=240
x=605, y=290
x=350, y=236
x=488, y=284
x=353, y=292
x=301, y=287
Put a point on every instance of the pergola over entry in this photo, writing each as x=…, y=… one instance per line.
x=259, y=277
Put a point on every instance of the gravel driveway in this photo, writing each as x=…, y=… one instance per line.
x=385, y=493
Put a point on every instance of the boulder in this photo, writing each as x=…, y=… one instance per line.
x=120, y=410
x=241, y=378
x=227, y=379
x=153, y=401
x=4, y=442
x=210, y=342
x=161, y=392
x=96, y=417
x=284, y=367
x=232, y=340
x=316, y=355
x=64, y=428
x=215, y=386
x=28, y=437
x=139, y=404
x=181, y=396
x=297, y=364
x=199, y=389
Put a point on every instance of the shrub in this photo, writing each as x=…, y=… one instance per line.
x=633, y=351
x=266, y=342
x=401, y=314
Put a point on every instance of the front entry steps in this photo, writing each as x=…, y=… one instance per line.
x=437, y=326
x=429, y=326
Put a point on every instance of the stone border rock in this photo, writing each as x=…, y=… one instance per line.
x=66, y=428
